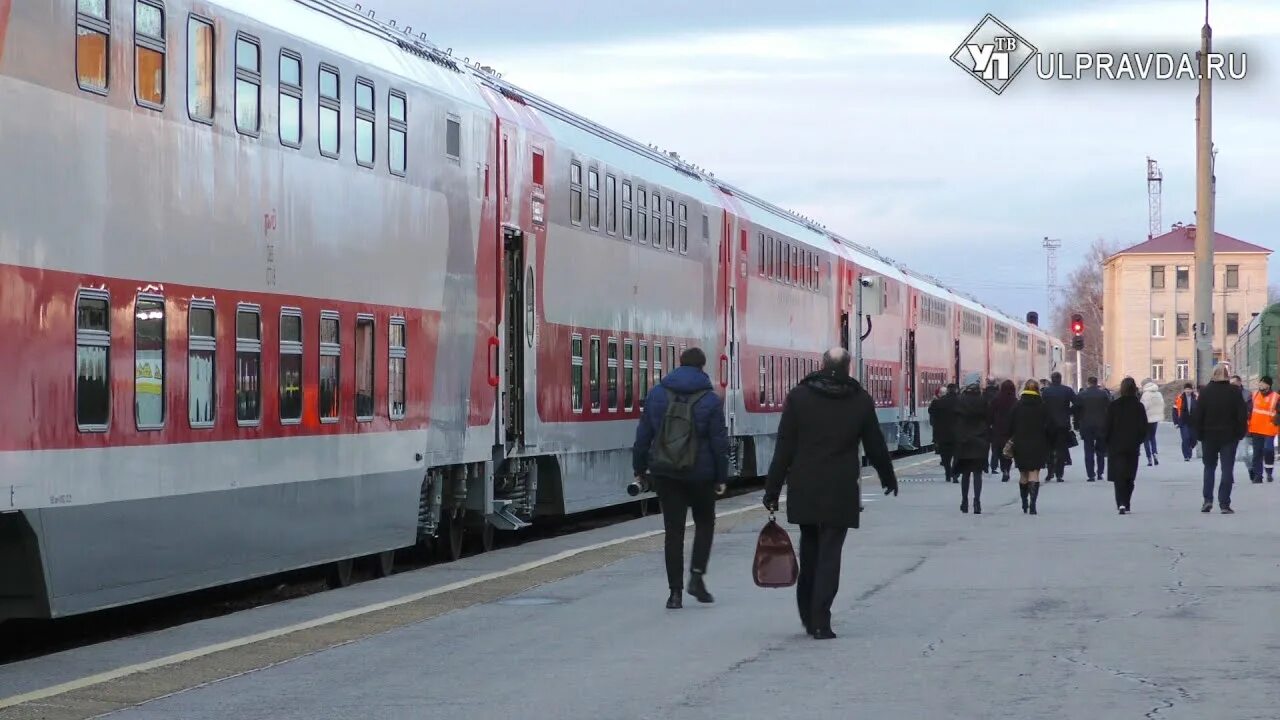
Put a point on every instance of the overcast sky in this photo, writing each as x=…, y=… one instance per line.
x=852, y=113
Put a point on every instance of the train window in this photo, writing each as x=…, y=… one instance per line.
x=655, y=218
x=594, y=377
x=657, y=363
x=202, y=346
x=628, y=376
x=396, y=378
x=611, y=204
x=575, y=373
x=683, y=219
x=248, y=365
x=760, y=253
x=626, y=210
x=784, y=274
x=366, y=116
x=200, y=64
x=669, y=230
x=248, y=85
x=330, y=366
x=330, y=112
x=364, y=368
x=764, y=369
x=290, y=99
x=538, y=168
x=290, y=366
x=93, y=45
x=593, y=198
x=768, y=251
x=672, y=357
x=397, y=133
x=787, y=377
x=795, y=265
x=644, y=372
x=148, y=362
x=611, y=380
x=817, y=274
x=149, y=52
x=453, y=137
x=93, y=360
x=575, y=193
x=642, y=215
x=706, y=227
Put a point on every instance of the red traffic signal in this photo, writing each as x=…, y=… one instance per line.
x=1077, y=324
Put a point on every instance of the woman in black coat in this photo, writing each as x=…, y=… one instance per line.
x=1033, y=433
x=1125, y=433
x=972, y=442
x=1000, y=411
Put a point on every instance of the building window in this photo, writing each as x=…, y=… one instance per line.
x=93, y=44
x=1157, y=370
x=644, y=372
x=397, y=133
x=148, y=363
x=575, y=193
x=1183, y=277
x=290, y=366
x=248, y=365
x=396, y=379
x=1233, y=277
x=1233, y=323
x=1183, y=325
x=642, y=216
x=248, y=85
x=610, y=204
x=683, y=219
x=364, y=368
x=290, y=99
x=593, y=378
x=330, y=112
x=330, y=362
x=453, y=137
x=202, y=347
x=655, y=218
x=366, y=117
x=626, y=210
x=593, y=198
x=93, y=361
x=1157, y=326
x=200, y=69
x=1157, y=277
x=628, y=376
x=149, y=54
x=669, y=230
x=612, y=379
x=575, y=373
x=1183, y=369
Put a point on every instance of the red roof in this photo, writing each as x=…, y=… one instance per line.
x=1183, y=240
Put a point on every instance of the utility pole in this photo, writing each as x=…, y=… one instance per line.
x=1204, y=210
x=1155, y=178
x=1051, y=272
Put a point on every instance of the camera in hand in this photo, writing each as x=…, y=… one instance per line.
x=637, y=486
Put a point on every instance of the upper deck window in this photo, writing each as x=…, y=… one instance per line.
x=149, y=53
x=93, y=44
x=330, y=112
x=248, y=85
x=200, y=63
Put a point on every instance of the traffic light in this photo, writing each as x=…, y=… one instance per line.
x=1077, y=331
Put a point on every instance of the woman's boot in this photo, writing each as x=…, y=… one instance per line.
x=1035, y=493
x=1025, y=491
x=964, y=492
x=977, y=493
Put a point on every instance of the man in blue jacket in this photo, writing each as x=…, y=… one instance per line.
x=692, y=488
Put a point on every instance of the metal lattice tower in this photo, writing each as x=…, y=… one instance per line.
x=1051, y=270
x=1154, y=180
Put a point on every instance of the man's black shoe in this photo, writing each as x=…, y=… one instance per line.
x=698, y=589
x=674, y=602
x=824, y=634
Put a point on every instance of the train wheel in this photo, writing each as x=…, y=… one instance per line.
x=487, y=537
x=384, y=563
x=340, y=573
x=451, y=538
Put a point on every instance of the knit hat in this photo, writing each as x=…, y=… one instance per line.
x=972, y=378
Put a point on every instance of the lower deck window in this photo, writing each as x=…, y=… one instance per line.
x=330, y=367
x=248, y=366
x=93, y=350
x=148, y=364
x=364, y=368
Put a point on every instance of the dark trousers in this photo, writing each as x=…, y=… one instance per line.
x=678, y=497
x=1188, y=440
x=1264, y=452
x=1122, y=473
x=1095, y=452
x=1058, y=459
x=1224, y=455
x=965, y=477
x=948, y=463
x=997, y=450
x=820, y=549
x=1150, y=443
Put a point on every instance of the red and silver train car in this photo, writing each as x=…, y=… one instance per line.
x=281, y=286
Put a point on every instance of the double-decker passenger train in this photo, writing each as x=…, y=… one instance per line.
x=282, y=286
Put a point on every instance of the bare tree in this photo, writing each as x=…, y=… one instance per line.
x=1082, y=293
x=1273, y=294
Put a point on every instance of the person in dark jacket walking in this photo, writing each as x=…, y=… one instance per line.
x=942, y=418
x=695, y=489
x=1183, y=406
x=824, y=420
x=1091, y=419
x=1033, y=436
x=1000, y=412
x=1220, y=420
x=1060, y=402
x=989, y=394
x=1125, y=431
x=973, y=442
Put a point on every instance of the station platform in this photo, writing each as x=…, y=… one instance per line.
x=1077, y=612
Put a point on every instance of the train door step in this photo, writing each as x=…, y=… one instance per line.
x=503, y=519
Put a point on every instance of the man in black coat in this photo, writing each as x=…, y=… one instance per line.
x=1091, y=419
x=1220, y=420
x=825, y=418
x=1060, y=402
x=989, y=396
x=942, y=419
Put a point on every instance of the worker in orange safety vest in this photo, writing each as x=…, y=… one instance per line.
x=1262, y=429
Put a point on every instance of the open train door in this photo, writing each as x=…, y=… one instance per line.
x=911, y=372
x=512, y=400
x=957, y=362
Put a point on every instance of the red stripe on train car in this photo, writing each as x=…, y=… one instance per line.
x=5, y=7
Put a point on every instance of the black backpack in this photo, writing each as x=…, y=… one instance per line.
x=675, y=448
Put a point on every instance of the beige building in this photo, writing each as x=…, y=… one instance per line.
x=1148, y=299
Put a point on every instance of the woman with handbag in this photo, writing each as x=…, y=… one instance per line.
x=1126, y=431
x=1033, y=435
x=1000, y=412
